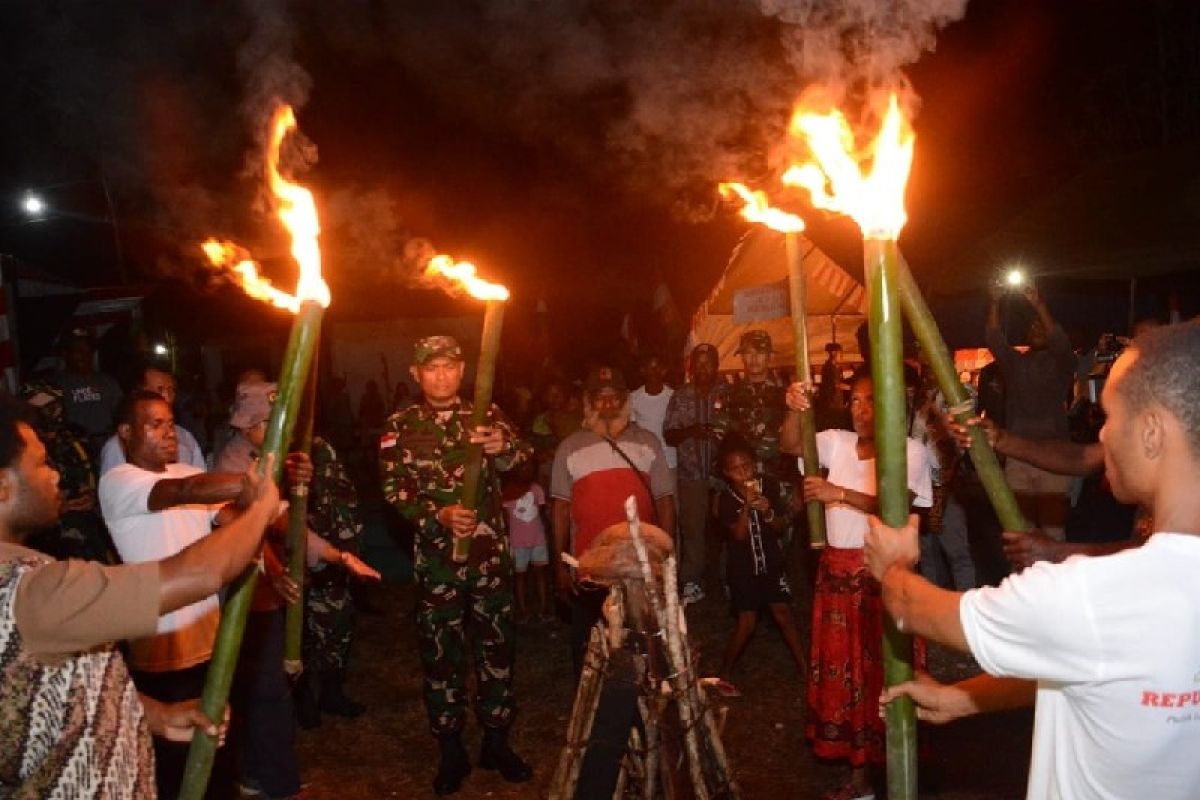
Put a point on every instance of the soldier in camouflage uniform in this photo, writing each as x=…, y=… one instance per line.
x=79, y=533
x=754, y=407
x=328, y=606
x=465, y=605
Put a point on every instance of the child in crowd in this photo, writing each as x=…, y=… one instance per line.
x=753, y=513
x=523, y=500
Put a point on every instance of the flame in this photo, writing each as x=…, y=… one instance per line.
x=875, y=200
x=298, y=212
x=463, y=273
x=758, y=209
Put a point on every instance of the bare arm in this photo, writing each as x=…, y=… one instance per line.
x=917, y=605
x=1055, y=455
x=797, y=399
x=205, y=488
x=923, y=609
x=199, y=570
x=939, y=703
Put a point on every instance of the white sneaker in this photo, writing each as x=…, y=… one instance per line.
x=692, y=593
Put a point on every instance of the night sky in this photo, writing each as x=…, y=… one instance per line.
x=570, y=148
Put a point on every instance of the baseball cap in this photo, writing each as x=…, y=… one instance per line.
x=702, y=349
x=757, y=339
x=251, y=404
x=431, y=347
x=605, y=377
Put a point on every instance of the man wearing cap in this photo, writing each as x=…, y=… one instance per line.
x=595, y=470
x=155, y=378
x=421, y=456
x=688, y=427
x=262, y=700
x=753, y=407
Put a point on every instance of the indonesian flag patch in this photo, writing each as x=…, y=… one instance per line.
x=388, y=440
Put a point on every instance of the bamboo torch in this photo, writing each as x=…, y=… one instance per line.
x=297, y=211
x=876, y=202
x=463, y=274
x=991, y=475
x=298, y=531
x=757, y=209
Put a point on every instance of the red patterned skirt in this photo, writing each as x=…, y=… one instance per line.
x=846, y=667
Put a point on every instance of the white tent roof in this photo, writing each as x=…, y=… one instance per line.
x=753, y=293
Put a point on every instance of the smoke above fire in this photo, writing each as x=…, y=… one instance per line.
x=661, y=100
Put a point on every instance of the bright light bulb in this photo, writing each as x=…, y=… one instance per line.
x=1014, y=278
x=33, y=205
x=160, y=349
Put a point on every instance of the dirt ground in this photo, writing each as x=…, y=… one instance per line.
x=389, y=752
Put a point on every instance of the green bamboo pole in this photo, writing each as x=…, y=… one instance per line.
x=298, y=530
x=306, y=330
x=808, y=427
x=991, y=475
x=880, y=262
x=485, y=378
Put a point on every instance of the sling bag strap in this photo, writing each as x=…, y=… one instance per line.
x=625, y=457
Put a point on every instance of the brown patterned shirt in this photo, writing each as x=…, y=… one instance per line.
x=71, y=723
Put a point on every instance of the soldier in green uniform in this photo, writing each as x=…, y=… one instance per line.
x=79, y=532
x=754, y=408
x=459, y=606
x=333, y=514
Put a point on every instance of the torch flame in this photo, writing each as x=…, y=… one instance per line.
x=463, y=274
x=758, y=209
x=875, y=200
x=298, y=212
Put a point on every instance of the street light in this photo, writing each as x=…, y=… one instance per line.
x=33, y=205
x=37, y=208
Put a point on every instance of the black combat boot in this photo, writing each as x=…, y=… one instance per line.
x=453, y=766
x=496, y=754
x=333, y=697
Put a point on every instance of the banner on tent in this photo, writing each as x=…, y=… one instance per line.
x=760, y=303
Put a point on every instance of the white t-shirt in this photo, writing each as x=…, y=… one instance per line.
x=837, y=451
x=649, y=411
x=1114, y=644
x=144, y=535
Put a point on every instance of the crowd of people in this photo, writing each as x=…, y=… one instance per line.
x=134, y=549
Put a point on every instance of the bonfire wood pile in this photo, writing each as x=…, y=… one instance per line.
x=642, y=725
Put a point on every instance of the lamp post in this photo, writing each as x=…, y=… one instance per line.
x=36, y=207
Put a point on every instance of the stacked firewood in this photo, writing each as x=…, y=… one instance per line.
x=642, y=725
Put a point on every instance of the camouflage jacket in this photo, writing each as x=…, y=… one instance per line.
x=421, y=458
x=754, y=411
x=333, y=500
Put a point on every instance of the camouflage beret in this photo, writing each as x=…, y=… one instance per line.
x=757, y=340
x=432, y=347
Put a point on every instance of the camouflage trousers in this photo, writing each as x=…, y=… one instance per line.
x=465, y=615
x=328, y=621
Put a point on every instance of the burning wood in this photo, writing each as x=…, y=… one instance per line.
x=647, y=647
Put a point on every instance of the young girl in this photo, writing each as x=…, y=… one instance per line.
x=847, y=640
x=752, y=513
x=523, y=500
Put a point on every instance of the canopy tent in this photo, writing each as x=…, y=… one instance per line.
x=753, y=293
